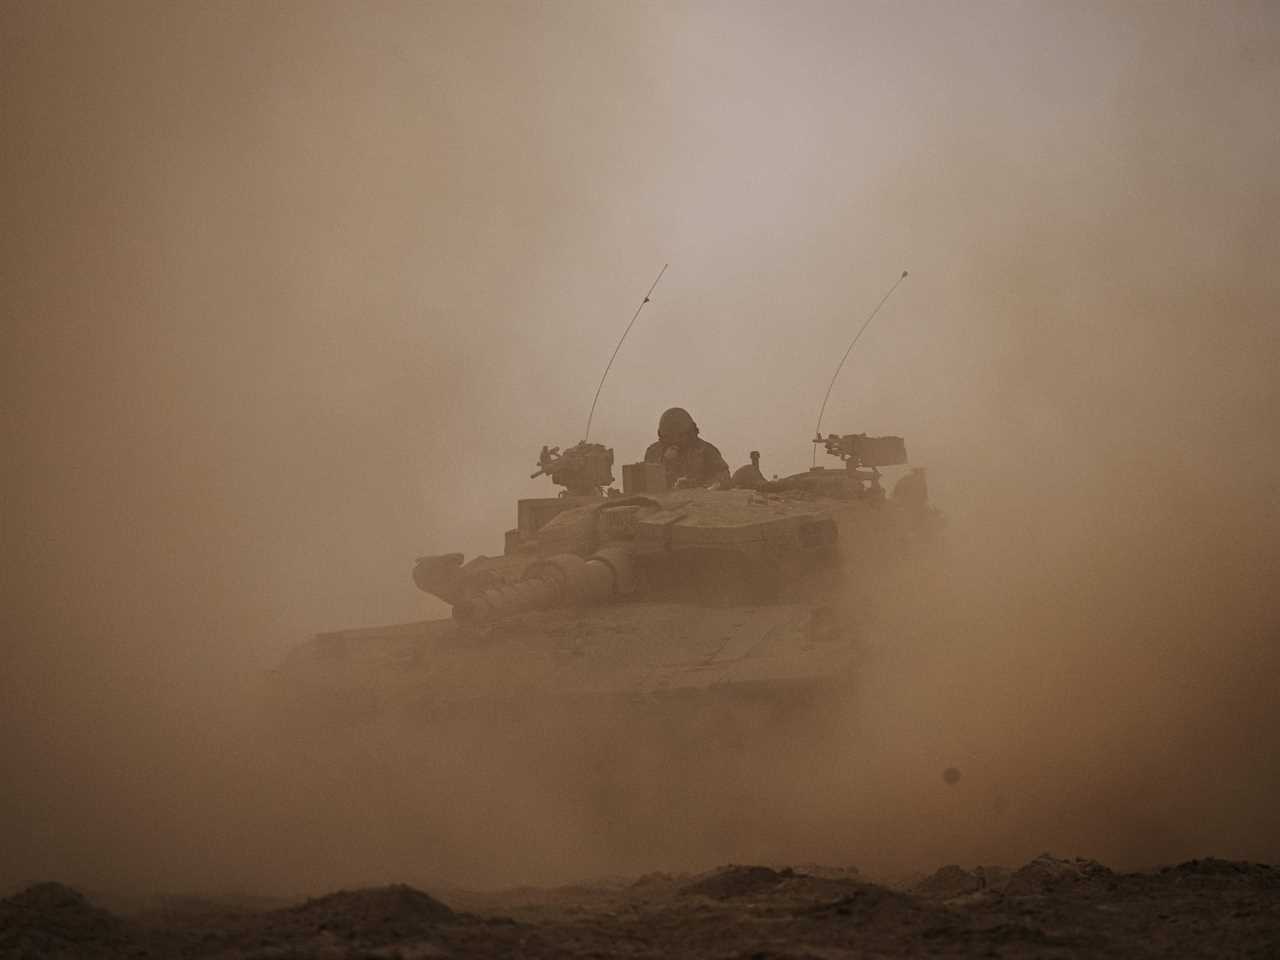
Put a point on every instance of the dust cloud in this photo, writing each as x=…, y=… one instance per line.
x=293, y=294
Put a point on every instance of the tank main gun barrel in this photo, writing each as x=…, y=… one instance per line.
x=440, y=575
x=563, y=580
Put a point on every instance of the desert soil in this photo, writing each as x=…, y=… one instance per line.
x=1047, y=908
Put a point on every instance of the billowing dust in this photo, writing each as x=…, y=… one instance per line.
x=294, y=298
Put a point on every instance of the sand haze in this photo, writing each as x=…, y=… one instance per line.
x=294, y=294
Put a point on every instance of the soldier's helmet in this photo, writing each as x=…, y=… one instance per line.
x=676, y=425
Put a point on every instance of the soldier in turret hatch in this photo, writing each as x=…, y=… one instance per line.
x=690, y=461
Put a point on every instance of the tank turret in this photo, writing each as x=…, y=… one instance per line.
x=741, y=545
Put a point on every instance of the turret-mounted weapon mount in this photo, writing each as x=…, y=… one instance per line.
x=583, y=470
x=859, y=450
x=862, y=457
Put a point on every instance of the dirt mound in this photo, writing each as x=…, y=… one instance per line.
x=953, y=881
x=54, y=920
x=1211, y=870
x=384, y=912
x=871, y=905
x=659, y=882
x=736, y=881
x=1048, y=874
x=824, y=872
x=950, y=881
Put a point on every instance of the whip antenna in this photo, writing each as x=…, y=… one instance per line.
x=619, y=347
x=817, y=430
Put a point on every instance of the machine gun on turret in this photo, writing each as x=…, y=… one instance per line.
x=583, y=470
x=860, y=450
x=862, y=457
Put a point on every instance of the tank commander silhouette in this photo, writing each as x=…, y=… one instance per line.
x=690, y=461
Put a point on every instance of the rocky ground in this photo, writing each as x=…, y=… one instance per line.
x=1047, y=908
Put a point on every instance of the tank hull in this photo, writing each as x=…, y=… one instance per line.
x=633, y=656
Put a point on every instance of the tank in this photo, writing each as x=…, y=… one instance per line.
x=649, y=602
